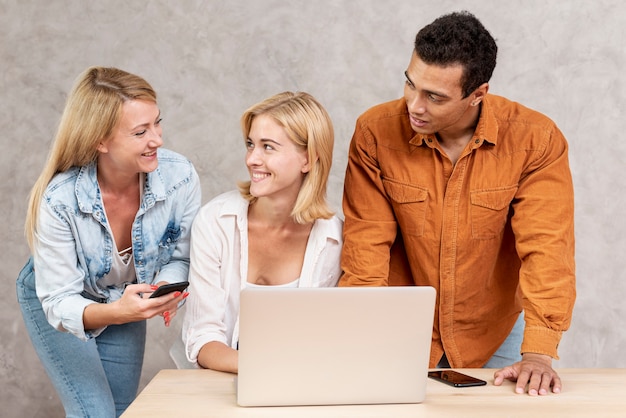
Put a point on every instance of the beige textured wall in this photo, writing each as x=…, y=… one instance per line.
x=209, y=60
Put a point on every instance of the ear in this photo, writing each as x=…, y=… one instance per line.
x=479, y=94
x=306, y=165
x=102, y=147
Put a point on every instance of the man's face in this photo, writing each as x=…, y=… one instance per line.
x=434, y=98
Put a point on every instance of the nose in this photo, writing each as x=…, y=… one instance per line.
x=156, y=139
x=253, y=157
x=415, y=103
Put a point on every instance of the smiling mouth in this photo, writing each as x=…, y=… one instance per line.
x=149, y=154
x=259, y=176
x=417, y=121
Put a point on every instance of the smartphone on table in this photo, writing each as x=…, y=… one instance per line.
x=456, y=379
x=169, y=288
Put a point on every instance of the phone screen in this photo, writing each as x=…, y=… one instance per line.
x=456, y=379
x=169, y=288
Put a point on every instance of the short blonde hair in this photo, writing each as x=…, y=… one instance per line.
x=92, y=111
x=308, y=125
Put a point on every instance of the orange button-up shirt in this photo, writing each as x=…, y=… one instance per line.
x=493, y=234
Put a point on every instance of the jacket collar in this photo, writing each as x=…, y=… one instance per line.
x=89, y=197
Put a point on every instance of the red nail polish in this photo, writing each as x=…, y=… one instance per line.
x=176, y=294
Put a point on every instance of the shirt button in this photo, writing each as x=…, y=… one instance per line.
x=477, y=141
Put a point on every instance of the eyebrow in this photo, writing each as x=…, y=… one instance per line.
x=434, y=93
x=265, y=140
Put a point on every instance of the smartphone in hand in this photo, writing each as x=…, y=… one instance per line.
x=456, y=379
x=169, y=288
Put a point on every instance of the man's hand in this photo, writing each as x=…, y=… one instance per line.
x=535, y=370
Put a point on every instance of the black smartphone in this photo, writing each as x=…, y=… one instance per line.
x=456, y=379
x=169, y=288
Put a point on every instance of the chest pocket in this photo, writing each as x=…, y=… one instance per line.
x=490, y=210
x=168, y=242
x=409, y=205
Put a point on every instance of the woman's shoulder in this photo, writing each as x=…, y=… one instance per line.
x=227, y=203
x=174, y=170
x=63, y=186
x=331, y=227
x=172, y=157
x=172, y=163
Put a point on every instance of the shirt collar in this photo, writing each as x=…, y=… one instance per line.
x=486, y=129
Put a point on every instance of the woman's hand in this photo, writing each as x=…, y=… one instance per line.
x=169, y=314
x=134, y=305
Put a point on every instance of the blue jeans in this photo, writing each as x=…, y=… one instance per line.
x=95, y=378
x=507, y=354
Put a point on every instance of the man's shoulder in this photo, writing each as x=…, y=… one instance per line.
x=385, y=110
x=505, y=109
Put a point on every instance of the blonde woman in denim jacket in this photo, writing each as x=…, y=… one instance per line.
x=108, y=222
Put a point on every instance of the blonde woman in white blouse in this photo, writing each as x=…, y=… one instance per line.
x=276, y=230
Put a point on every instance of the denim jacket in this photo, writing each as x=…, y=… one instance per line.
x=74, y=245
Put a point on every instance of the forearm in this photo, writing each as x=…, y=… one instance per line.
x=99, y=315
x=218, y=356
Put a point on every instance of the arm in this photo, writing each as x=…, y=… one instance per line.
x=60, y=283
x=218, y=356
x=133, y=306
x=177, y=269
x=59, y=275
x=205, y=326
x=543, y=223
x=370, y=225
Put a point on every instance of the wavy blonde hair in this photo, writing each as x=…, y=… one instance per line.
x=308, y=125
x=92, y=111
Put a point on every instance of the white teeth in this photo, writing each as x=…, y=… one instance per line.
x=259, y=175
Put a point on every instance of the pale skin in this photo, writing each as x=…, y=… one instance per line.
x=127, y=154
x=436, y=106
x=276, y=243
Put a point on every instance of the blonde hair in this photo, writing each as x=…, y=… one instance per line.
x=92, y=111
x=308, y=125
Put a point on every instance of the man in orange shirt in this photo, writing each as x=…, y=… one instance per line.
x=470, y=193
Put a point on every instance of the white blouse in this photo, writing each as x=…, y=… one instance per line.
x=219, y=266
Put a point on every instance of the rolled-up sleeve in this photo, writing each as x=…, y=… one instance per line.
x=59, y=278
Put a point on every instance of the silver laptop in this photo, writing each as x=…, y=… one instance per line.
x=331, y=346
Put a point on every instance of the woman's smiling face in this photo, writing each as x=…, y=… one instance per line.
x=276, y=164
x=133, y=145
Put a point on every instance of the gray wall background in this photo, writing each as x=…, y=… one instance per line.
x=210, y=60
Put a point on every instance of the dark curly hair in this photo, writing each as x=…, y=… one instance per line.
x=459, y=38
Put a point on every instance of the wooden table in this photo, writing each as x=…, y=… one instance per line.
x=596, y=393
